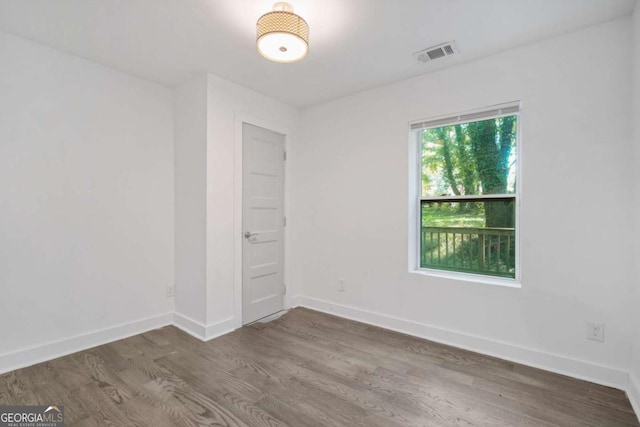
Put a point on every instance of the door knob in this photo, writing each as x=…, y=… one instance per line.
x=249, y=235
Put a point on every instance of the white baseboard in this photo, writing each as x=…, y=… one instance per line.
x=190, y=326
x=201, y=331
x=42, y=353
x=633, y=392
x=604, y=375
x=599, y=374
x=220, y=328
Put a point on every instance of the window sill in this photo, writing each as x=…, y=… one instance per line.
x=469, y=277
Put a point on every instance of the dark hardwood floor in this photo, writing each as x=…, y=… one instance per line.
x=306, y=369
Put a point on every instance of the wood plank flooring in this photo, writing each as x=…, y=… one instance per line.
x=306, y=369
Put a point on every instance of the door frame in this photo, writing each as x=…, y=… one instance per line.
x=239, y=119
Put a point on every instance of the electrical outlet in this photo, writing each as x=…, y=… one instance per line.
x=342, y=285
x=171, y=291
x=595, y=331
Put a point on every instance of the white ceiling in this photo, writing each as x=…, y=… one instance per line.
x=355, y=44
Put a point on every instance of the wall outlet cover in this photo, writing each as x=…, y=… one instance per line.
x=595, y=331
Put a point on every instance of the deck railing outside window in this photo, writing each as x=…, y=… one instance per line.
x=489, y=251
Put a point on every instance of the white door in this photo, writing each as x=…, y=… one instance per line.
x=263, y=223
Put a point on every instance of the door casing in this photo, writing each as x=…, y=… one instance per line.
x=239, y=119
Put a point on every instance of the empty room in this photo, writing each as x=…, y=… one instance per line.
x=374, y=213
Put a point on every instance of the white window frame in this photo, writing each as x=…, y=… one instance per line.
x=415, y=190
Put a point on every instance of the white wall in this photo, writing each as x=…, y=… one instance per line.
x=227, y=103
x=207, y=112
x=635, y=312
x=350, y=210
x=86, y=193
x=190, y=115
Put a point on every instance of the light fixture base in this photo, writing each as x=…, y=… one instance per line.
x=282, y=6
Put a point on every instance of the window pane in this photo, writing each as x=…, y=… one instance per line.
x=472, y=236
x=470, y=158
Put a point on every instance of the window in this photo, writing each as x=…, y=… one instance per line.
x=467, y=192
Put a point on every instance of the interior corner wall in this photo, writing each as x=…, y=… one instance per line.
x=350, y=204
x=190, y=172
x=226, y=102
x=86, y=191
x=635, y=311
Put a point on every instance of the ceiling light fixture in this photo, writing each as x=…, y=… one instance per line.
x=283, y=36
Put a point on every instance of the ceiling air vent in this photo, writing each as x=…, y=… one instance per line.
x=436, y=52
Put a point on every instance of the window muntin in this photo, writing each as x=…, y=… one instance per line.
x=467, y=194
